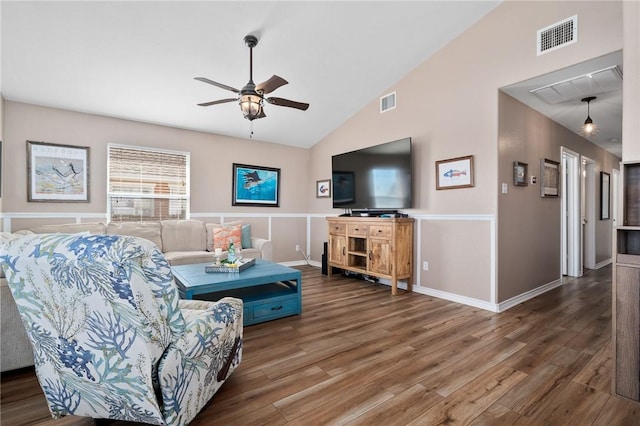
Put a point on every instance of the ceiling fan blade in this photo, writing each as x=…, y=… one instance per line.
x=288, y=103
x=219, y=101
x=215, y=83
x=272, y=84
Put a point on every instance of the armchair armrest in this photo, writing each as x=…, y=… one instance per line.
x=265, y=246
x=195, y=365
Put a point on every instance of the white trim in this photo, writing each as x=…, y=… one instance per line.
x=290, y=263
x=491, y=217
x=493, y=258
x=469, y=301
x=604, y=263
x=516, y=300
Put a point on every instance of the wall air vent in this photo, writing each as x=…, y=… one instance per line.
x=558, y=35
x=388, y=102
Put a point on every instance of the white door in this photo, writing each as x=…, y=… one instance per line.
x=588, y=212
x=571, y=220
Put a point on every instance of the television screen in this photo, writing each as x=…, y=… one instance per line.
x=378, y=177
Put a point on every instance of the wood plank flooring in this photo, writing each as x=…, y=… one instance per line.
x=359, y=356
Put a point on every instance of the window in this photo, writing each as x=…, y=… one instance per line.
x=147, y=184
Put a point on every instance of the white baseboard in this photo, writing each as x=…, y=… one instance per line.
x=313, y=263
x=510, y=303
x=476, y=303
x=603, y=263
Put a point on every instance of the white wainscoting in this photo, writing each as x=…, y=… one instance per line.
x=491, y=305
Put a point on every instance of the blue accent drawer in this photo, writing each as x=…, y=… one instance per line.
x=274, y=308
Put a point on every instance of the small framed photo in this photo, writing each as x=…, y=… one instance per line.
x=550, y=172
x=454, y=173
x=323, y=188
x=57, y=173
x=255, y=186
x=520, y=175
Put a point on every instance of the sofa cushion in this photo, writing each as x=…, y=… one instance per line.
x=147, y=230
x=218, y=235
x=188, y=257
x=71, y=228
x=183, y=235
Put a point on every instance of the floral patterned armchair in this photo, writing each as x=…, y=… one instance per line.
x=111, y=338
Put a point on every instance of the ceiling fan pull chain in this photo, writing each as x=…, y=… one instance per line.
x=251, y=129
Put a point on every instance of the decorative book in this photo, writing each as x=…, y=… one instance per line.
x=237, y=266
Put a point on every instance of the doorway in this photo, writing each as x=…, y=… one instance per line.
x=578, y=232
x=571, y=251
x=588, y=207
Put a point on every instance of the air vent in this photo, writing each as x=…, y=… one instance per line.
x=388, y=102
x=558, y=35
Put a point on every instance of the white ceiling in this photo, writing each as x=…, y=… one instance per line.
x=138, y=60
x=606, y=110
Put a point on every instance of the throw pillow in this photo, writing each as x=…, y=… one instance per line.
x=222, y=235
x=246, y=235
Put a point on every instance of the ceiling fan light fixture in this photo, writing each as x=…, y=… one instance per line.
x=251, y=106
x=589, y=128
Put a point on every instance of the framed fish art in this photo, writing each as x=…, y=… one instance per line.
x=255, y=186
x=454, y=173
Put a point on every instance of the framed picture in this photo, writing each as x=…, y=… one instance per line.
x=520, y=173
x=323, y=188
x=605, y=195
x=255, y=186
x=550, y=172
x=344, y=188
x=454, y=173
x=57, y=173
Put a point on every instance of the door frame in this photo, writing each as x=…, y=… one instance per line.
x=588, y=212
x=571, y=243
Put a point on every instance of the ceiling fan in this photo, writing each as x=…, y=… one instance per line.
x=251, y=97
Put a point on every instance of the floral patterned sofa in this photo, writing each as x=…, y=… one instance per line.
x=110, y=337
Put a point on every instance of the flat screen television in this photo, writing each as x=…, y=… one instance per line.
x=378, y=177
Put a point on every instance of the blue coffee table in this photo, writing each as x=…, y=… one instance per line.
x=268, y=290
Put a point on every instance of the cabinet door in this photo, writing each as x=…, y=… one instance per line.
x=627, y=299
x=380, y=256
x=337, y=249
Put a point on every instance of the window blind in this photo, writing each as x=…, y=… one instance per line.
x=146, y=184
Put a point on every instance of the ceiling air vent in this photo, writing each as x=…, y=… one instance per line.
x=388, y=102
x=558, y=35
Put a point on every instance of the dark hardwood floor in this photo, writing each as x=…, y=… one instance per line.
x=359, y=356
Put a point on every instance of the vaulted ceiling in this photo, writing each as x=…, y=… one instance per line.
x=137, y=59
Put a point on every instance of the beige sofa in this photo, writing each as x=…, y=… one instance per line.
x=181, y=241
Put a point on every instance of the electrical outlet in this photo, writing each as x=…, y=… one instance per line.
x=425, y=265
x=297, y=247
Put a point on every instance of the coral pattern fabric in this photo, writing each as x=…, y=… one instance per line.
x=111, y=339
x=223, y=234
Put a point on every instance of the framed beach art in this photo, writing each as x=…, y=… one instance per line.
x=255, y=186
x=57, y=173
x=454, y=173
